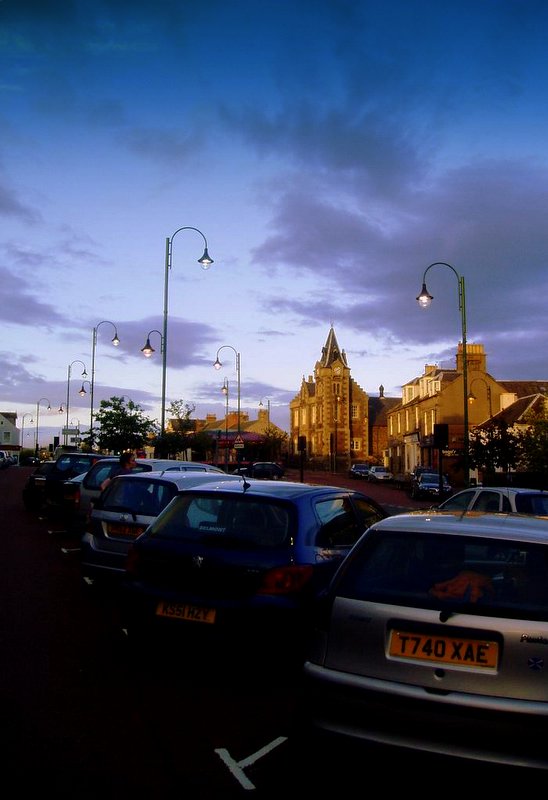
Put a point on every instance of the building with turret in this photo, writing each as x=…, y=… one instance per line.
x=334, y=418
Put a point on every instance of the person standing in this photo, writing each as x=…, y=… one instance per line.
x=126, y=464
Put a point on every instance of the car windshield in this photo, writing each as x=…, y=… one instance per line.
x=224, y=520
x=481, y=576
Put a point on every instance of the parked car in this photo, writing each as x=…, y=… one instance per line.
x=125, y=508
x=29, y=461
x=81, y=491
x=498, y=498
x=265, y=470
x=427, y=484
x=432, y=637
x=379, y=474
x=44, y=488
x=359, y=470
x=239, y=564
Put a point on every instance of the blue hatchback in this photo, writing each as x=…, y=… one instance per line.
x=243, y=561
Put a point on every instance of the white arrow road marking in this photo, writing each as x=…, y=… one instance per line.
x=237, y=767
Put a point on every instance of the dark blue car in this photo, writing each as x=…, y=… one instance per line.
x=242, y=562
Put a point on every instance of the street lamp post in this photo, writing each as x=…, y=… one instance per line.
x=23, y=428
x=218, y=365
x=472, y=396
x=424, y=299
x=115, y=341
x=36, y=447
x=206, y=262
x=224, y=390
x=261, y=405
x=69, y=372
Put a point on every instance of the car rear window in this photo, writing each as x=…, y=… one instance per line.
x=144, y=498
x=481, y=576
x=233, y=521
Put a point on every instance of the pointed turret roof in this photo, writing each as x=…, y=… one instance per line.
x=331, y=351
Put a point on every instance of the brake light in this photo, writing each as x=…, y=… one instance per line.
x=286, y=580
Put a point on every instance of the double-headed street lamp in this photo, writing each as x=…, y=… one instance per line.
x=206, y=262
x=424, y=299
x=115, y=341
x=69, y=372
x=36, y=447
x=218, y=365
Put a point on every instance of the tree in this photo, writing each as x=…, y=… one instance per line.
x=534, y=443
x=176, y=440
x=275, y=442
x=122, y=425
x=494, y=447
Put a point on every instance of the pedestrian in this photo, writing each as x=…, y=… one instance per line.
x=125, y=464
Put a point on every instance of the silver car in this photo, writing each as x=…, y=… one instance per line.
x=498, y=498
x=82, y=491
x=433, y=636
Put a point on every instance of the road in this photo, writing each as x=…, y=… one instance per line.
x=85, y=716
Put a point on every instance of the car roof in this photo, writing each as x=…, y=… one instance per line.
x=180, y=478
x=286, y=490
x=517, y=527
x=508, y=490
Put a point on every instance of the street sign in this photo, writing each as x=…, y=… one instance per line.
x=238, y=443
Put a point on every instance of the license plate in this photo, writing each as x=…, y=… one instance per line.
x=116, y=529
x=186, y=612
x=444, y=649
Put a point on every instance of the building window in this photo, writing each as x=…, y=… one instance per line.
x=355, y=444
x=354, y=411
x=6, y=437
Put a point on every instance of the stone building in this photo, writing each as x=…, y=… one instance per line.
x=437, y=397
x=340, y=423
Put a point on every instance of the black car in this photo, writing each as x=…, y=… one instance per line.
x=45, y=486
x=359, y=470
x=266, y=470
x=427, y=484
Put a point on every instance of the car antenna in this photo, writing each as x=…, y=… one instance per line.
x=246, y=485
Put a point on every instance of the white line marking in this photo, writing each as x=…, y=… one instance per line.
x=237, y=767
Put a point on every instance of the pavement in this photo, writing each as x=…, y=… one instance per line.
x=394, y=499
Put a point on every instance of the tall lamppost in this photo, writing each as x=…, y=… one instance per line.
x=472, y=397
x=218, y=365
x=69, y=372
x=224, y=390
x=23, y=428
x=206, y=262
x=36, y=447
x=424, y=299
x=115, y=341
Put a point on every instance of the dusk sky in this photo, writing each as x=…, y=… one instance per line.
x=329, y=151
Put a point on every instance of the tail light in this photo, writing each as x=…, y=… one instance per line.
x=286, y=580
